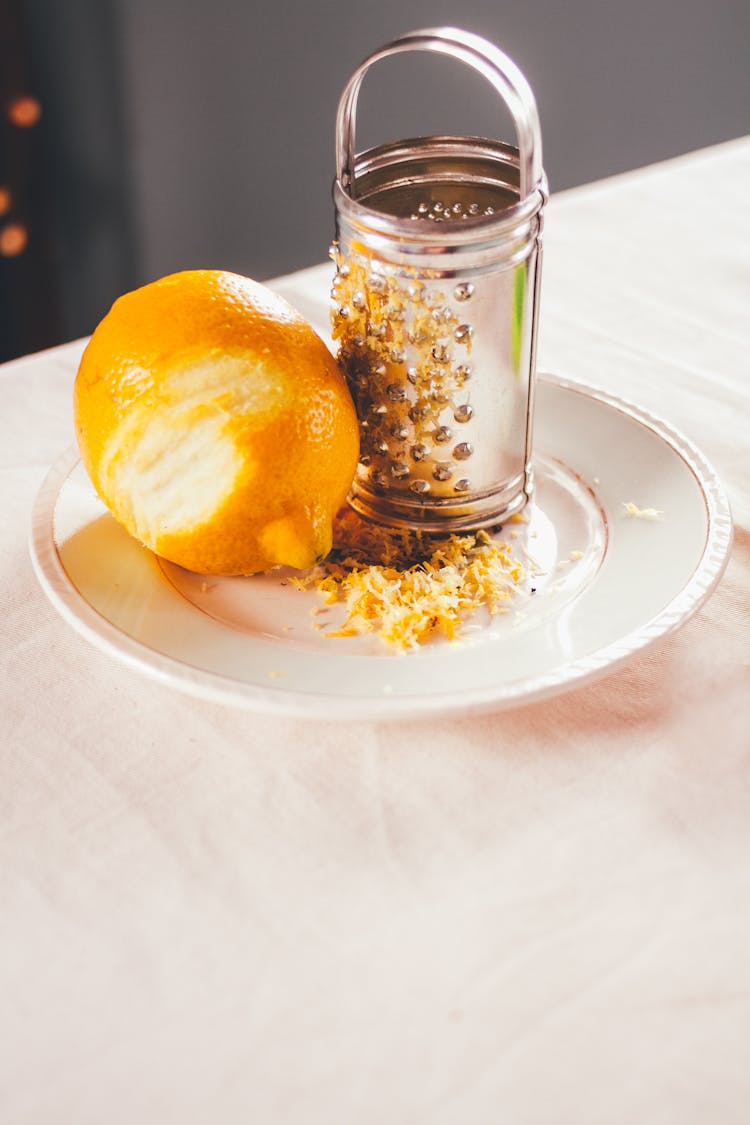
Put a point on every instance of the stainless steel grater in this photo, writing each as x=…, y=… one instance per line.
x=435, y=304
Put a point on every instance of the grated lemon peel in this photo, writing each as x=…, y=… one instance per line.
x=407, y=587
x=634, y=512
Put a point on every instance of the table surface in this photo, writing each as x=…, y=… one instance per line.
x=543, y=914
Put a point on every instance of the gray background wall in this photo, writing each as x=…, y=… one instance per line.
x=189, y=133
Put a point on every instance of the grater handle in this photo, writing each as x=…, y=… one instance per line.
x=482, y=56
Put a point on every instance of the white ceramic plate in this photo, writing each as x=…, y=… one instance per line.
x=610, y=585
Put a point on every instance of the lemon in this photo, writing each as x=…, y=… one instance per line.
x=216, y=425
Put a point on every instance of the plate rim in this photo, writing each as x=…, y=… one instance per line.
x=274, y=699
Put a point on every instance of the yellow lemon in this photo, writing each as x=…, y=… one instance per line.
x=216, y=425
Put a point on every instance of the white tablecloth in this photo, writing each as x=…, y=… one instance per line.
x=540, y=915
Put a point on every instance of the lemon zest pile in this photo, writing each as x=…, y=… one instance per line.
x=407, y=586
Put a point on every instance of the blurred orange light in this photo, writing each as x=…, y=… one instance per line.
x=5, y=200
x=13, y=239
x=24, y=111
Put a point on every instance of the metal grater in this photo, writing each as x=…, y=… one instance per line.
x=435, y=305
